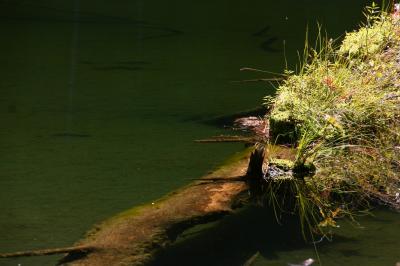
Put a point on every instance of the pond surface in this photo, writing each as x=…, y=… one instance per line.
x=374, y=241
x=100, y=103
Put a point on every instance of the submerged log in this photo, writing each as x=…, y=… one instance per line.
x=135, y=236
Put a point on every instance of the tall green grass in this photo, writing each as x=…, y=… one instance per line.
x=343, y=105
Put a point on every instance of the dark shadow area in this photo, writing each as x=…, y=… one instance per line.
x=269, y=41
x=267, y=45
x=73, y=256
x=262, y=32
x=117, y=68
x=236, y=238
x=71, y=135
x=128, y=65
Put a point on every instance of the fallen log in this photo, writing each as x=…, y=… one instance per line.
x=134, y=237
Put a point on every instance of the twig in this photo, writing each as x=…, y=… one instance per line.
x=45, y=252
x=259, y=70
x=227, y=139
x=220, y=179
x=256, y=80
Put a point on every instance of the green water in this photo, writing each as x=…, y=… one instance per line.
x=233, y=241
x=100, y=102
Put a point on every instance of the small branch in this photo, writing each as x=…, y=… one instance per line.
x=256, y=80
x=45, y=252
x=259, y=70
x=227, y=139
x=220, y=179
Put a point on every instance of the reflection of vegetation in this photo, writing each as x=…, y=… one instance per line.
x=343, y=113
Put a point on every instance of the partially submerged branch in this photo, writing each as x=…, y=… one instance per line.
x=217, y=139
x=134, y=237
x=43, y=252
x=257, y=80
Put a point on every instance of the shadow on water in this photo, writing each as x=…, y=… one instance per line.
x=84, y=17
x=269, y=41
x=262, y=32
x=267, y=45
x=117, y=66
x=236, y=238
x=70, y=135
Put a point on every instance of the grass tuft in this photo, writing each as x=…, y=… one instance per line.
x=342, y=111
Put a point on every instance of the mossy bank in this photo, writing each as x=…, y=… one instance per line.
x=341, y=111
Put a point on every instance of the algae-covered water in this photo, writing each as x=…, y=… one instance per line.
x=100, y=103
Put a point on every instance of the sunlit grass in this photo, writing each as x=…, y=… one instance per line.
x=343, y=105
